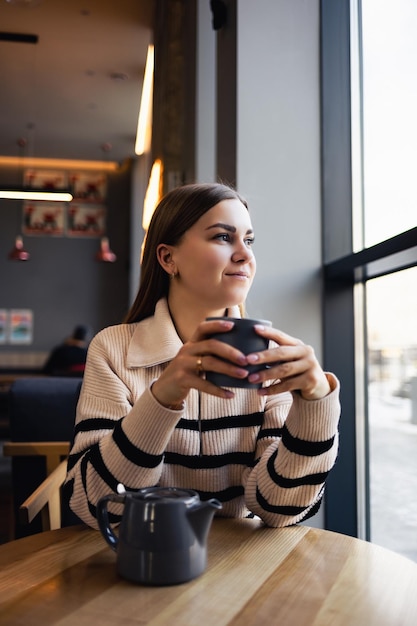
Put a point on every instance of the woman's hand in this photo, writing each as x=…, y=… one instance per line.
x=293, y=363
x=200, y=354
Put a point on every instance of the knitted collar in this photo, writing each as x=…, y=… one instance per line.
x=155, y=339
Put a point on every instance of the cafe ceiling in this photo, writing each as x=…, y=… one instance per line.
x=75, y=94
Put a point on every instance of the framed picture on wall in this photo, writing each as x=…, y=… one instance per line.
x=21, y=326
x=44, y=218
x=85, y=220
x=46, y=179
x=88, y=186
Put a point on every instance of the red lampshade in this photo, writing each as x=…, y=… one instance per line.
x=105, y=255
x=19, y=253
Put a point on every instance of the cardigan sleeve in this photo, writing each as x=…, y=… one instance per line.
x=116, y=439
x=293, y=458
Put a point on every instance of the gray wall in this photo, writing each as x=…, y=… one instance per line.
x=279, y=158
x=62, y=283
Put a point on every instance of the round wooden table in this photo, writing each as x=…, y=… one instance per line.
x=296, y=576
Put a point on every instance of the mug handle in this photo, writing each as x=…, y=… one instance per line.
x=103, y=518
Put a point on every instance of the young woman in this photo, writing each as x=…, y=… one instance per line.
x=147, y=415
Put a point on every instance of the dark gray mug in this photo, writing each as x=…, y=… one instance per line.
x=243, y=337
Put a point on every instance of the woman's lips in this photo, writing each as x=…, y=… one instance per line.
x=239, y=275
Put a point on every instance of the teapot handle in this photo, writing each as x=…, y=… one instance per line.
x=103, y=518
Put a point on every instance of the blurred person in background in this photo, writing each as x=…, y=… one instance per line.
x=68, y=359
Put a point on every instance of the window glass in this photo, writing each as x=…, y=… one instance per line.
x=392, y=410
x=389, y=47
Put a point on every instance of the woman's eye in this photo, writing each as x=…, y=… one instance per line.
x=223, y=237
x=250, y=241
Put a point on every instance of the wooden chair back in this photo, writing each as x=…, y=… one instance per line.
x=46, y=500
x=42, y=417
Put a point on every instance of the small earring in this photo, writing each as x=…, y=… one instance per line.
x=173, y=275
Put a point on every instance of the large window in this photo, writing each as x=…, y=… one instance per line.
x=389, y=131
x=389, y=90
x=369, y=97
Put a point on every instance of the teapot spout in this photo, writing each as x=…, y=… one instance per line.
x=200, y=518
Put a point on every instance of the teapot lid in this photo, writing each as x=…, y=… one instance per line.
x=167, y=493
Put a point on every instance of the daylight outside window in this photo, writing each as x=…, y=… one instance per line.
x=389, y=127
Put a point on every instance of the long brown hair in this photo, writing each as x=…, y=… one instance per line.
x=178, y=210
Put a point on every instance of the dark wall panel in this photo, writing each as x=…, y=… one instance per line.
x=62, y=283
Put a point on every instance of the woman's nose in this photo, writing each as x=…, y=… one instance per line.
x=242, y=253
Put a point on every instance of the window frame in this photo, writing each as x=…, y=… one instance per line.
x=345, y=273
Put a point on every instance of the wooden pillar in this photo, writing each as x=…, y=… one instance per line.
x=227, y=93
x=173, y=135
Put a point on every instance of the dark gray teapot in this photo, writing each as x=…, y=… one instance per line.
x=162, y=536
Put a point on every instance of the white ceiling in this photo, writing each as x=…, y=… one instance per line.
x=79, y=87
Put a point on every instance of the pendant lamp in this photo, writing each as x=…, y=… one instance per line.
x=18, y=253
x=105, y=254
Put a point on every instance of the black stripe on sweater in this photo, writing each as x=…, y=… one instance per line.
x=88, y=425
x=290, y=511
x=226, y=495
x=94, y=456
x=210, y=462
x=73, y=459
x=83, y=471
x=289, y=483
x=274, y=433
x=98, y=423
x=132, y=453
x=68, y=489
x=223, y=423
x=305, y=448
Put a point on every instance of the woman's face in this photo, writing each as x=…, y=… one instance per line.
x=214, y=262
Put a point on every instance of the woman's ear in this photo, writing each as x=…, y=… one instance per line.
x=164, y=256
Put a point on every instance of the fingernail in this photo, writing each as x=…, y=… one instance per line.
x=253, y=378
x=252, y=358
x=228, y=394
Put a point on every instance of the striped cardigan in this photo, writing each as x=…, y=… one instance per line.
x=265, y=456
